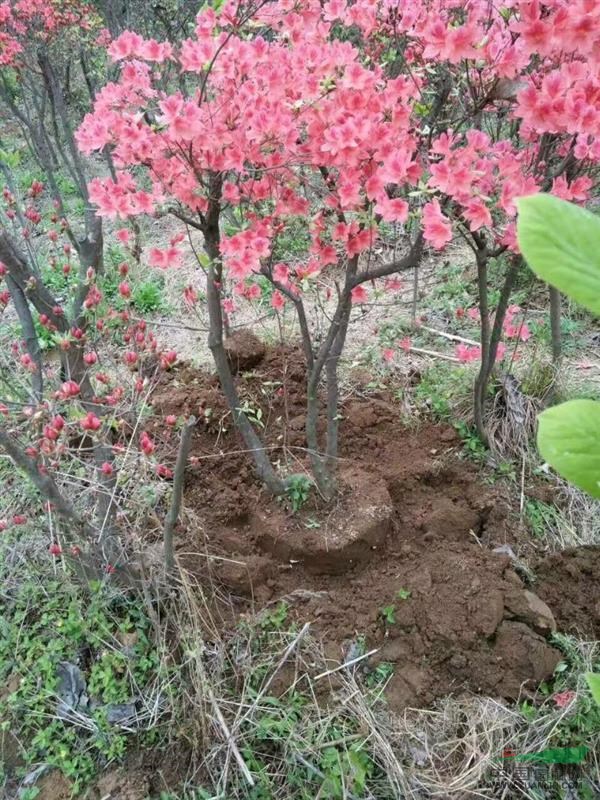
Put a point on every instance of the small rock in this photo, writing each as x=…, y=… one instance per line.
x=506, y=550
x=542, y=618
x=527, y=607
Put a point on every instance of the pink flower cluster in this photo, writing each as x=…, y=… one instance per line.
x=286, y=111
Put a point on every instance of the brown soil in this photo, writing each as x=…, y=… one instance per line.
x=411, y=516
x=54, y=786
x=569, y=582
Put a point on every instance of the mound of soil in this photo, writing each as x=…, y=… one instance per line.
x=569, y=582
x=404, y=558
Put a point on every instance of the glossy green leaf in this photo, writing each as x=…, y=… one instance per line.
x=569, y=440
x=561, y=243
x=593, y=681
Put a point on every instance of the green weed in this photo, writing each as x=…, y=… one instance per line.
x=297, y=490
x=148, y=296
x=539, y=516
x=380, y=675
x=50, y=629
x=473, y=447
x=443, y=388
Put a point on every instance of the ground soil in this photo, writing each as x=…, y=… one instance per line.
x=570, y=583
x=414, y=528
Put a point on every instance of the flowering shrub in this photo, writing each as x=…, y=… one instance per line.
x=432, y=115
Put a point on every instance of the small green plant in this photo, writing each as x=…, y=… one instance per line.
x=254, y=413
x=275, y=620
x=506, y=469
x=148, y=296
x=298, y=487
x=593, y=682
x=443, y=387
x=380, y=675
x=388, y=614
x=62, y=648
x=403, y=594
x=345, y=771
x=539, y=517
x=472, y=445
x=312, y=524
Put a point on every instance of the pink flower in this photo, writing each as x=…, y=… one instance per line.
x=163, y=259
x=147, y=444
x=90, y=422
x=405, y=344
x=69, y=389
x=359, y=294
x=563, y=699
x=190, y=296
x=436, y=227
x=393, y=284
x=388, y=355
x=277, y=300
x=467, y=353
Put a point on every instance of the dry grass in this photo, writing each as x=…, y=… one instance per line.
x=264, y=722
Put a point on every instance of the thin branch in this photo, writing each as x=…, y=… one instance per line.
x=178, y=480
x=409, y=261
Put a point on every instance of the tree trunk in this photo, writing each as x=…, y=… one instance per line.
x=490, y=339
x=256, y=448
x=555, y=319
x=29, y=335
x=480, y=386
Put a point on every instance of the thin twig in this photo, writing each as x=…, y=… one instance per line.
x=172, y=516
x=433, y=353
x=288, y=651
x=229, y=737
x=452, y=337
x=346, y=664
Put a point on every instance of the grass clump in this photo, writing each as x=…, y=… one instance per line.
x=445, y=391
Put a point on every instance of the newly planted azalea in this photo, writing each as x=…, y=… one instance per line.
x=429, y=116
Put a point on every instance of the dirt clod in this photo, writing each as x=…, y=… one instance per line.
x=244, y=350
x=54, y=786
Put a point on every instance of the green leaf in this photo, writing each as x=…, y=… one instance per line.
x=561, y=243
x=569, y=440
x=593, y=681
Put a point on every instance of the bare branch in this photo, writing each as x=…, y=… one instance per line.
x=178, y=480
x=409, y=261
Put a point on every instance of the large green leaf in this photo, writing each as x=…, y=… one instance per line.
x=593, y=681
x=561, y=243
x=569, y=440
